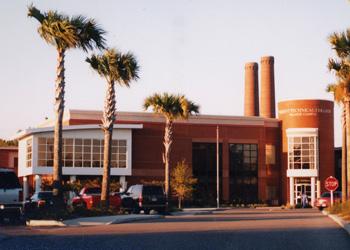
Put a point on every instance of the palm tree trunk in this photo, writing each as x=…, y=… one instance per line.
x=347, y=107
x=59, y=110
x=168, y=141
x=343, y=156
x=107, y=124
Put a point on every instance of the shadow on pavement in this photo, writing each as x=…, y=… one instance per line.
x=300, y=238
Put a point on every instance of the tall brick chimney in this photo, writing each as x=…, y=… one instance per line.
x=251, y=91
x=267, y=94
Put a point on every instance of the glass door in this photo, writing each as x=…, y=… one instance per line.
x=302, y=186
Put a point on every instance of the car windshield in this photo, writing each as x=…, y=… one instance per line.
x=326, y=195
x=153, y=190
x=9, y=180
x=45, y=195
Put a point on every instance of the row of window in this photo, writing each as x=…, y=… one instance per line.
x=302, y=152
x=79, y=152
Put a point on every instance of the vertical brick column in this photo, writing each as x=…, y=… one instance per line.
x=267, y=94
x=251, y=92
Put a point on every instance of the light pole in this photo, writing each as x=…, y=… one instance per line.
x=217, y=169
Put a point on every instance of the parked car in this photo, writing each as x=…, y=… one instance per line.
x=144, y=197
x=325, y=199
x=11, y=205
x=90, y=197
x=40, y=200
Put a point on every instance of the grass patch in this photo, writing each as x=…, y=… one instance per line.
x=341, y=209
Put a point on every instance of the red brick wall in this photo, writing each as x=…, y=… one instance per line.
x=148, y=146
x=9, y=158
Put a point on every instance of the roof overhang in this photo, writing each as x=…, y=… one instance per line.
x=31, y=131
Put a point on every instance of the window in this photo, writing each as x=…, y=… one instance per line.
x=29, y=153
x=118, y=159
x=79, y=152
x=243, y=173
x=68, y=152
x=302, y=152
x=270, y=154
x=204, y=169
x=97, y=153
x=45, y=152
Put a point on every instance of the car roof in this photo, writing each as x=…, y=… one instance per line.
x=6, y=170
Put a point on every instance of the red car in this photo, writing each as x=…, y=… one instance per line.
x=90, y=197
x=325, y=199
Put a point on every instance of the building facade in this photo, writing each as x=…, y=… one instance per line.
x=9, y=157
x=261, y=158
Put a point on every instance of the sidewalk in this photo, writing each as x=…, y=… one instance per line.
x=118, y=219
x=95, y=221
x=344, y=224
x=197, y=211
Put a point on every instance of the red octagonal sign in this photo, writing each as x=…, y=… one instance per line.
x=331, y=183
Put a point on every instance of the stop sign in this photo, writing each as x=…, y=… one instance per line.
x=331, y=183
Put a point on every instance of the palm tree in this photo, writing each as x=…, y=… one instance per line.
x=338, y=93
x=119, y=68
x=64, y=32
x=172, y=107
x=341, y=67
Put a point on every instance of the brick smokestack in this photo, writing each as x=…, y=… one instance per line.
x=267, y=94
x=251, y=91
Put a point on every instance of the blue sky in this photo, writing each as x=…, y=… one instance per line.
x=193, y=47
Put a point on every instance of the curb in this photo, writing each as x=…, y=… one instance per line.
x=45, y=223
x=133, y=219
x=339, y=221
x=190, y=213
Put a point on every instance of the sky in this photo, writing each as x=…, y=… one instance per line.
x=194, y=47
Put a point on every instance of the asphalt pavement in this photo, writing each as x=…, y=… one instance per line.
x=225, y=229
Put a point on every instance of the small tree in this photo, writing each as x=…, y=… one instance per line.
x=182, y=181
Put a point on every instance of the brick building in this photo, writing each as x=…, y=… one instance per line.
x=9, y=157
x=262, y=158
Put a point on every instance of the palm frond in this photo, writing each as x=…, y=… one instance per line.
x=34, y=12
x=64, y=32
x=170, y=105
x=340, y=43
x=90, y=34
x=115, y=66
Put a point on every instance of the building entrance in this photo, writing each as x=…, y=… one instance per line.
x=301, y=188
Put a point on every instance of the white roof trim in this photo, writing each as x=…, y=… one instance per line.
x=31, y=131
x=291, y=132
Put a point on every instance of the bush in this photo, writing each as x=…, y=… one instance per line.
x=49, y=214
x=66, y=213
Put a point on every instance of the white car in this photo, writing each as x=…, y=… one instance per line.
x=11, y=204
